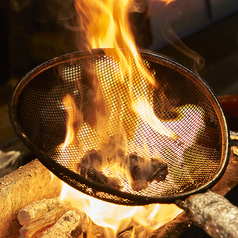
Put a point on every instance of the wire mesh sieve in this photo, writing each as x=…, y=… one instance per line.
x=182, y=103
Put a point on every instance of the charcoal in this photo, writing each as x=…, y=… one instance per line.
x=97, y=176
x=143, y=171
x=137, y=172
x=135, y=167
x=93, y=159
x=159, y=170
x=138, y=185
x=90, y=167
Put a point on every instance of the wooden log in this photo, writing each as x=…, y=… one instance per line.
x=29, y=183
x=69, y=225
x=38, y=233
x=36, y=209
x=47, y=219
x=21, y=236
x=213, y=213
x=172, y=229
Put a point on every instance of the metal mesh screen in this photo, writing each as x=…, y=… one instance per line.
x=181, y=102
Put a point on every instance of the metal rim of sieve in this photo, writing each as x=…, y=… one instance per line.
x=96, y=189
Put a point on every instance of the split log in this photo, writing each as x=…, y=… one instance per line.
x=69, y=225
x=36, y=209
x=47, y=219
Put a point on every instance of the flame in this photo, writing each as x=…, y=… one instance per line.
x=116, y=218
x=106, y=25
x=128, y=99
x=72, y=111
x=146, y=112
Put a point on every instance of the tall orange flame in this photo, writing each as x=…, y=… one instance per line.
x=105, y=24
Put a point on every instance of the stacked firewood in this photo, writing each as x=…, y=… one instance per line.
x=50, y=218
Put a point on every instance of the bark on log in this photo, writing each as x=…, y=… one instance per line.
x=213, y=213
x=36, y=209
x=39, y=232
x=47, y=219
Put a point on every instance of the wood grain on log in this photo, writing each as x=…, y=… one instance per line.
x=36, y=209
x=47, y=219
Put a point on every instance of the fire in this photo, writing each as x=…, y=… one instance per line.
x=71, y=108
x=127, y=99
x=116, y=218
x=106, y=25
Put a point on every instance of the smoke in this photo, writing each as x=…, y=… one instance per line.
x=62, y=12
x=19, y=5
x=187, y=56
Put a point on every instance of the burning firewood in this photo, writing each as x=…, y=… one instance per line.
x=66, y=221
x=134, y=231
x=94, y=231
x=45, y=220
x=61, y=221
x=36, y=210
